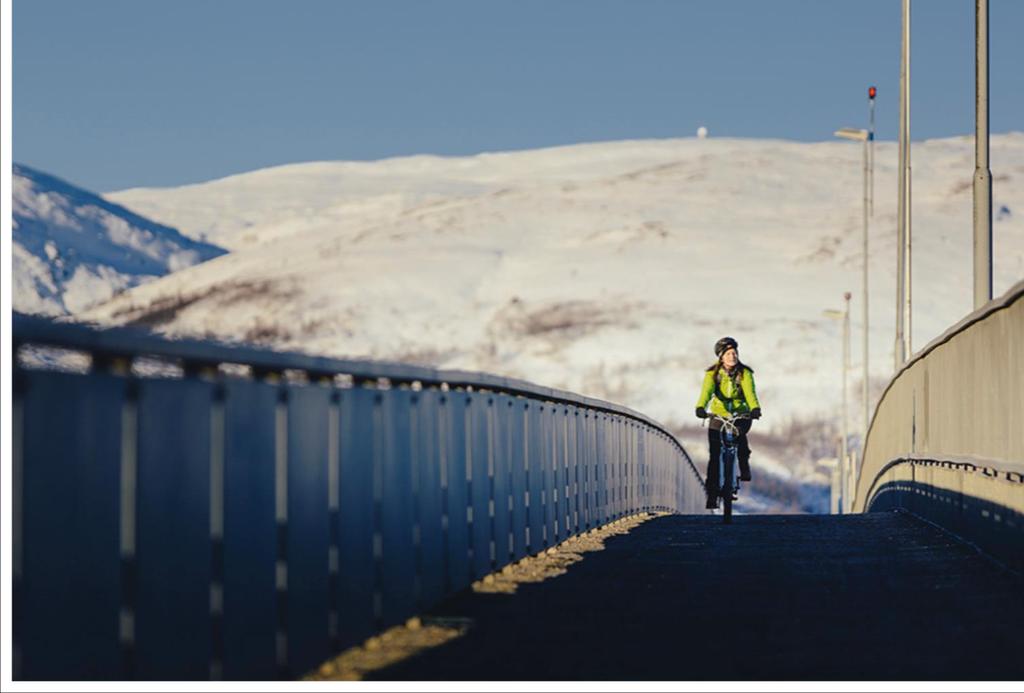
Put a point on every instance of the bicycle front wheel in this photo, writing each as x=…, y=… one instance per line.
x=727, y=483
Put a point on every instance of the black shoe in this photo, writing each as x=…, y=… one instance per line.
x=712, y=504
x=744, y=477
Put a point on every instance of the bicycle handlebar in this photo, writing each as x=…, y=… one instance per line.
x=731, y=419
x=730, y=422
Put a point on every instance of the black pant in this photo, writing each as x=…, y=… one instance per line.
x=715, y=445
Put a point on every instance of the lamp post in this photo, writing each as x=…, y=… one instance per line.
x=844, y=315
x=903, y=305
x=982, y=173
x=866, y=137
x=872, y=92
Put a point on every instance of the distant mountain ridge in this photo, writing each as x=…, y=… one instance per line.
x=72, y=249
x=607, y=269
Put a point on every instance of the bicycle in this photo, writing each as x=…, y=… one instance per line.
x=728, y=469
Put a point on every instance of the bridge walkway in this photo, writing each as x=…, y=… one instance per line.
x=880, y=596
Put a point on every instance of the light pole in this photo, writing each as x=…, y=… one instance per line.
x=903, y=327
x=865, y=137
x=872, y=92
x=982, y=174
x=844, y=315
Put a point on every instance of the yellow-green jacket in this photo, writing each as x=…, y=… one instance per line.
x=727, y=399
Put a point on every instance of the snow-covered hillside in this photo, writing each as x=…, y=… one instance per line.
x=73, y=249
x=608, y=269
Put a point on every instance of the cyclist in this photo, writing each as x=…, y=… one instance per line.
x=729, y=387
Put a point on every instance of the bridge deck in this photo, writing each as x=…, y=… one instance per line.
x=877, y=596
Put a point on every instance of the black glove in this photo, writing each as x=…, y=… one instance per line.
x=755, y=413
x=701, y=413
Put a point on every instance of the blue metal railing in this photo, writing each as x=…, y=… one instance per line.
x=249, y=526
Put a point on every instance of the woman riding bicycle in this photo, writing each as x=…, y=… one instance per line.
x=729, y=386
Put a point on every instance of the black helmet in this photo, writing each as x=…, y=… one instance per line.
x=724, y=344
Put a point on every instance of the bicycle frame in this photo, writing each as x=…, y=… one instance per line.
x=728, y=469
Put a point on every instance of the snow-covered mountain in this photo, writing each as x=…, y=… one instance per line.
x=607, y=269
x=73, y=249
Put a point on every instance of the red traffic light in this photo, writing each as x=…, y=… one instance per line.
x=871, y=92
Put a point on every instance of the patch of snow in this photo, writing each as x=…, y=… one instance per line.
x=73, y=249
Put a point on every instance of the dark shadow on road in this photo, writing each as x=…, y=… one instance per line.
x=994, y=528
x=880, y=596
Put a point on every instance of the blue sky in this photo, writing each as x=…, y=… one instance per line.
x=113, y=94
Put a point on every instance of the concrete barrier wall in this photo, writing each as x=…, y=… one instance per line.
x=947, y=438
